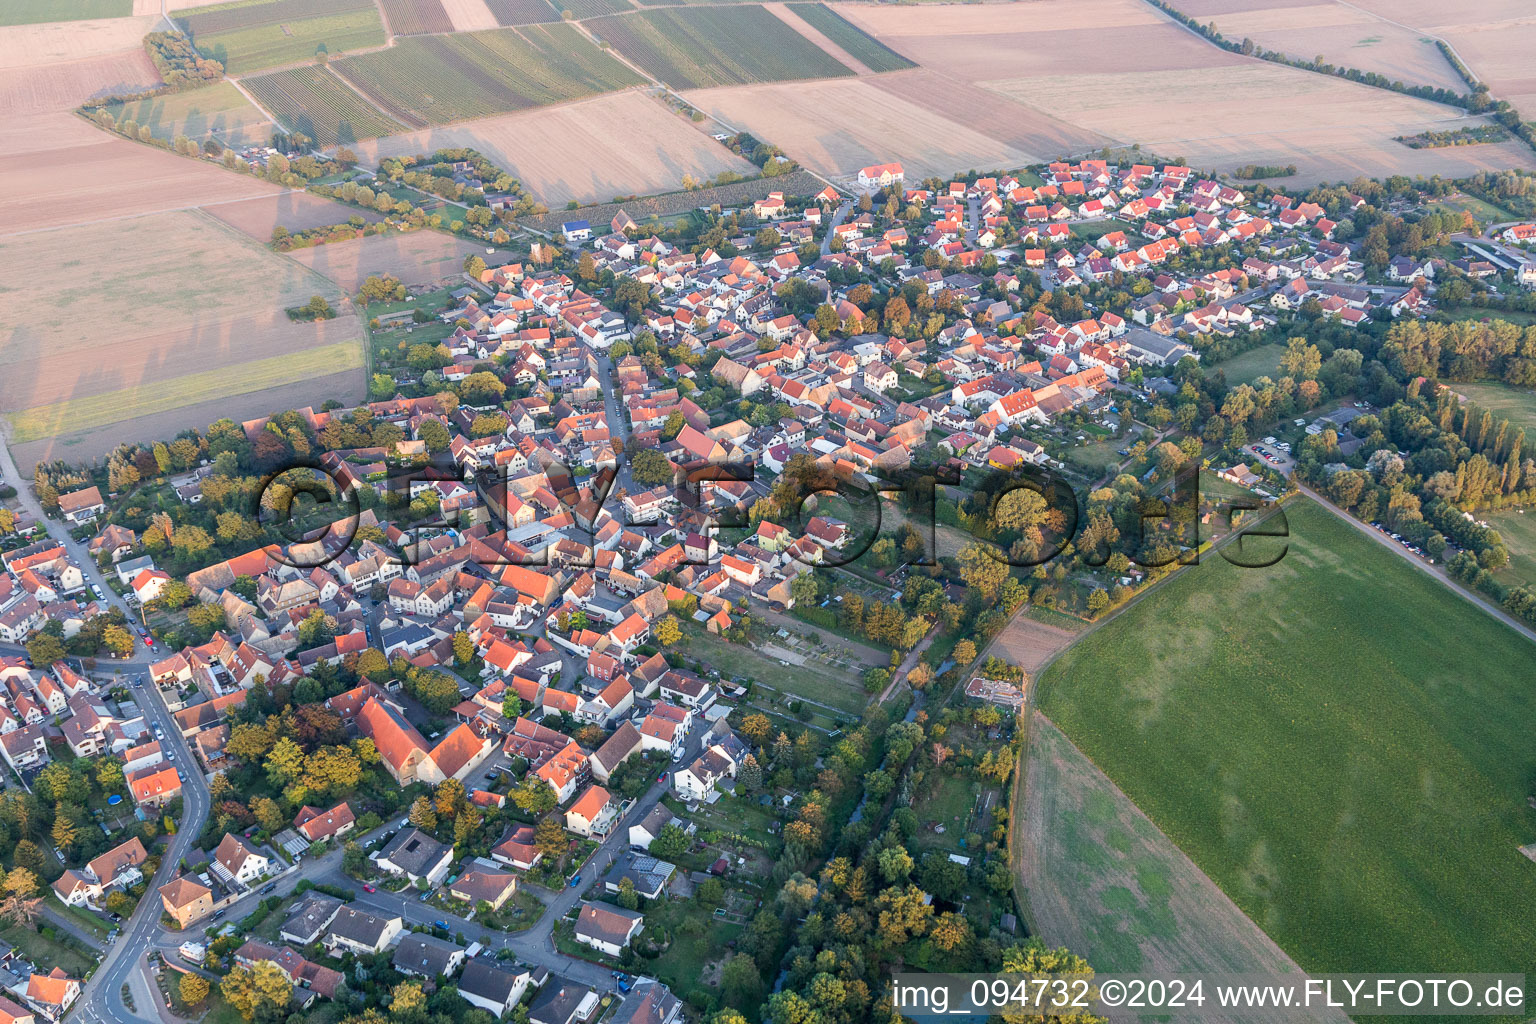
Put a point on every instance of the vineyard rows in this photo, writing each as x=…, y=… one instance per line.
x=426, y=80
x=264, y=46
x=416, y=17
x=522, y=12
x=697, y=47
x=582, y=9
x=314, y=101
x=861, y=46
x=233, y=17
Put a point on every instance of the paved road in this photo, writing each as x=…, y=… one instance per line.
x=102, y=999
x=837, y=218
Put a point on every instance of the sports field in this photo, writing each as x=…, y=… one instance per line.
x=1518, y=405
x=253, y=34
x=693, y=48
x=424, y=80
x=1339, y=743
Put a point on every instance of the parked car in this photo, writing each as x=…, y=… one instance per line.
x=575, y=881
x=269, y=887
x=369, y=888
x=440, y=924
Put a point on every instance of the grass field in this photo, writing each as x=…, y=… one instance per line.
x=698, y=47
x=1340, y=744
x=1247, y=367
x=1517, y=405
x=218, y=110
x=816, y=682
x=1519, y=532
x=438, y=79
x=249, y=36
x=1485, y=212
x=314, y=101
x=33, y=12
x=77, y=414
x=861, y=46
x=522, y=12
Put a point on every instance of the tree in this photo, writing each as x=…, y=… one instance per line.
x=284, y=762
x=463, y=648
x=755, y=727
x=434, y=435
x=648, y=466
x=668, y=632
x=449, y=798
x=965, y=652
x=549, y=838
x=194, y=988
x=741, y=983
x=710, y=892
x=353, y=859
x=22, y=905
x=669, y=844
x=65, y=835
x=534, y=795
x=109, y=775
x=422, y=815
x=117, y=640
x=981, y=571
x=628, y=898
x=268, y=814
x=44, y=649
x=262, y=991
x=1032, y=958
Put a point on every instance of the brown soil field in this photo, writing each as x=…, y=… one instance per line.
x=1031, y=130
x=1099, y=878
x=174, y=293
x=991, y=19
x=421, y=257
x=1255, y=112
x=1503, y=54
x=1031, y=644
x=67, y=84
x=57, y=41
x=296, y=211
x=347, y=387
x=1205, y=8
x=1348, y=37
x=837, y=126
x=591, y=150
x=61, y=170
x=469, y=15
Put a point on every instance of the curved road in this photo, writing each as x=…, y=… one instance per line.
x=102, y=1000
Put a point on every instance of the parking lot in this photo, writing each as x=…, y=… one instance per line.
x=1272, y=455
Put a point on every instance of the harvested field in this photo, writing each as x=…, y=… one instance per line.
x=854, y=41
x=314, y=101
x=522, y=12
x=421, y=257
x=219, y=110
x=255, y=34
x=1256, y=112
x=67, y=85
x=414, y=17
x=1099, y=878
x=240, y=404
x=34, y=46
x=426, y=80
x=29, y=12
x=296, y=211
x=592, y=150
x=196, y=294
x=61, y=170
x=650, y=211
x=1030, y=643
x=1348, y=37
x=470, y=15
x=837, y=127
x=1500, y=52
x=695, y=48
x=1014, y=124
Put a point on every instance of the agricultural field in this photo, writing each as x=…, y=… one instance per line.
x=522, y=12
x=32, y=12
x=860, y=45
x=314, y=101
x=624, y=143
x=59, y=169
x=1372, y=733
x=254, y=34
x=416, y=17
x=428, y=80
x=1495, y=38
x=469, y=15
x=296, y=211
x=39, y=45
x=582, y=9
x=1100, y=878
x=1518, y=405
x=218, y=111
x=836, y=127
x=68, y=85
x=695, y=48
x=416, y=258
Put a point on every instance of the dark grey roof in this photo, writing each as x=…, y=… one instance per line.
x=415, y=852
x=557, y=1001
x=489, y=981
x=425, y=955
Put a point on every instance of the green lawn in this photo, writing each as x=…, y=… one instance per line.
x=48, y=953
x=1519, y=532
x=812, y=680
x=1485, y=212
x=1518, y=405
x=1249, y=366
x=1338, y=742
x=945, y=800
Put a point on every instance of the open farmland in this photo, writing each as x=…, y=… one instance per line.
x=219, y=111
x=861, y=46
x=31, y=12
x=67, y=85
x=256, y=34
x=1334, y=724
x=469, y=15
x=522, y=12
x=37, y=46
x=415, y=17
x=417, y=257
x=59, y=169
x=314, y=101
x=693, y=48
x=621, y=144
x=437, y=79
x=836, y=127
x=296, y=211
x=581, y=9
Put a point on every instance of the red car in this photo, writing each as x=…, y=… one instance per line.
x=662, y=777
x=369, y=888
x=147, y=641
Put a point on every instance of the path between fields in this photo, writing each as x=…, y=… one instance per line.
x=1437, y=571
